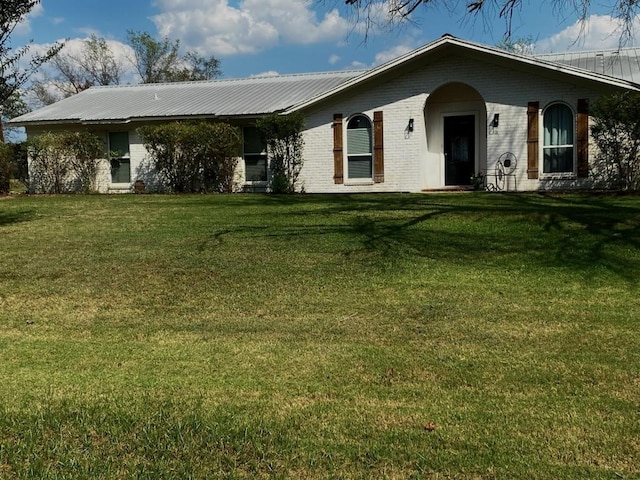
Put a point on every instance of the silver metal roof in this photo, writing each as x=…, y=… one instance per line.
x=623, y=63
x=216, y=98
x=256, y=96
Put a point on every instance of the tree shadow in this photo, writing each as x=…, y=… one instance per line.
x=8, y=218
x=582, y=232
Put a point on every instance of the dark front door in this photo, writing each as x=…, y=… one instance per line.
x=459, y=149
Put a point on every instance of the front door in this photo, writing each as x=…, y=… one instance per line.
x=459, y=149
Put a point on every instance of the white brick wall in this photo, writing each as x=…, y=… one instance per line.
x=410, y=163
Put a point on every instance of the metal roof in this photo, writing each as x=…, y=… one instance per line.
x=216, y=98
x=256, y=96
x=623, y=63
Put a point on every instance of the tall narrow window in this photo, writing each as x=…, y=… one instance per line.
x=359, y=151
x=255, y=156
x=558, y=139
x=120, y=157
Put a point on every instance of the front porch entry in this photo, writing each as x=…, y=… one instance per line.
x=459, y=149
x=456, y=128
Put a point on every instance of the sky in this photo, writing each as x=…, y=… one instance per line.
x=270, y=37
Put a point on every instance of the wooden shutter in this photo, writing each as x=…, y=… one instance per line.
x=378, y=148
x=338, y=166
x=582, y=137
x=533, y=140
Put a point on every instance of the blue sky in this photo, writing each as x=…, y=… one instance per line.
x=254, y=37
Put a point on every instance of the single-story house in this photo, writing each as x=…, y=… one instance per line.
x=430, y=119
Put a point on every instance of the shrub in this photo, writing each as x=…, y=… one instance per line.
x=20, y=164
x=65, y=162
x=616, y=132
x=193, y=157
x=283, y=135
x=6, y=154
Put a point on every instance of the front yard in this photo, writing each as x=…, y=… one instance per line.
x=458, y=336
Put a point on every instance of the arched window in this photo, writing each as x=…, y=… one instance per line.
x=558, y=145
x=359, y=148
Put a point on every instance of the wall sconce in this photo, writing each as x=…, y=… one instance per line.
x=410, y=126
x=496, y=120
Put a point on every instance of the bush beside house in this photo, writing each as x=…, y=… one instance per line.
x=193, y=157
x=64, y=162
x=283, y=136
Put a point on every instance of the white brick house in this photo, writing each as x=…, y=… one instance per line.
x=428, y=120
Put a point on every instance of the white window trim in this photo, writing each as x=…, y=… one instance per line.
x=557, y=175
x=348, y=181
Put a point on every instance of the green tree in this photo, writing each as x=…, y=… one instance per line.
x=13, y=107
x=616, y=133
x=158, y=61
x=193, y=157
x=13, y=72
x=283, y=135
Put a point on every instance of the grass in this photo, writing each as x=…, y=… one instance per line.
x=252, y=336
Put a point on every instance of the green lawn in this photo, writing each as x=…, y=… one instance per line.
x=246, y=336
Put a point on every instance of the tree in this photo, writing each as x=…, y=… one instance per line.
x=13, y=106
x=160, y=61
x=93, y=64
x=616, y=133
x=13, y=73
x=623, y=10
x=283, y=135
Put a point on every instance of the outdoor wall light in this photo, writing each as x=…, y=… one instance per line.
x=496, y=120
x=410, y=126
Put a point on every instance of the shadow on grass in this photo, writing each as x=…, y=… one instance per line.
x=579, y=232
x=8, y=218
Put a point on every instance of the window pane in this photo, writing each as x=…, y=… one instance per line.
x=359, y=136
x=360, y=166
x=255, y=168
x=120, y=170
x=358, y=141
x=119, y=144
x=558, y=160
x=252, y=141
x=558, y=125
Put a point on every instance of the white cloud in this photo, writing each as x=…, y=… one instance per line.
x=270, y=73
x=333, y=59
x=24, y=27
x=218, y=28
x=597, y=32
x=392, y=53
